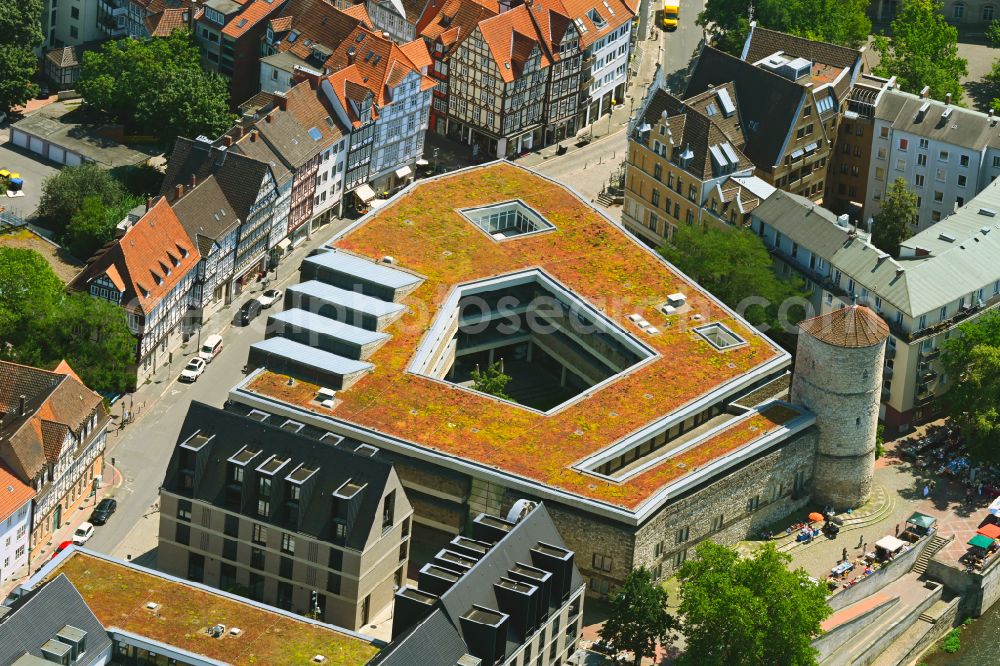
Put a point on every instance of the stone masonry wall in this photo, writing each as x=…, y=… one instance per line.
x=842, y=387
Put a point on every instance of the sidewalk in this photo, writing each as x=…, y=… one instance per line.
x=109, y=481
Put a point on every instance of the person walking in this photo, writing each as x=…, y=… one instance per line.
x=844, y=555
x=861, y=541
x=897, y=529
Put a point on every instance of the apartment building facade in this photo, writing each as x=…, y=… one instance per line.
x=150, y=271
x=945, y=275
x=76, y=23
x=15, y=523
x=55, y=431
x=946, y=154
x=685, y=165
x=312, y=526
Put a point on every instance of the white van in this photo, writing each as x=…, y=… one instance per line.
x=211, y=348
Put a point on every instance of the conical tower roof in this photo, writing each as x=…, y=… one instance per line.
x=853, y=326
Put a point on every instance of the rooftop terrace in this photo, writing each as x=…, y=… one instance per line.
x=425, y=233
x=118, y=595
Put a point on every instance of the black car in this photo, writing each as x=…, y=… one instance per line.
x=103, y=511
x=248, y=312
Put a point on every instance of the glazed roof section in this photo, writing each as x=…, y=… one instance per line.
x=425, y=233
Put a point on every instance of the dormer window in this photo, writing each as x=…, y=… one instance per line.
x=596, y=19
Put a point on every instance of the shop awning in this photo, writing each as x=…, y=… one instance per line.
x=403, y=172
x=994, y=508
x=890, y=544
x=377, y=203
x=921, y=520
x=422, y=162
x=285, y=244
x=990, y=531
x=365, y=192
x=980, y=541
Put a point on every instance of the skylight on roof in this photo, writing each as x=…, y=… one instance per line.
x=596, y=18
x=507, y=219
x=242, y=22
x=720, y=337
x=293, y=36
x=315, y=134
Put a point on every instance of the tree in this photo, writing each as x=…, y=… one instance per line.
x=972, y=359
x=992, y=81
x=492, y=380
x=64, y=191
x=993, y=33
x=836, y=21
x=94, y=224
x=923, y=51
x=638, y=619
x=737, y=611
x=156, y=86
x=734, y=265
x=29, y=290
x=20, y=34
x=896, y=220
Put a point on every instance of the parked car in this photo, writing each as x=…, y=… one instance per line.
x=248, y=312
x=103, y=511
x=269, y=297
x=192, y=371
x=211, y=348
x=83, y=534
x=61, y=547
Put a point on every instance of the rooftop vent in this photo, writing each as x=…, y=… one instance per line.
x=235, y=631
x=152, y=606
x=318, y=659
x=948, y=238
x=922, y=111
x=988, y=212
x=725, y=101
x=217, y=631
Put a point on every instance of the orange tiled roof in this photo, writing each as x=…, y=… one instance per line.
x=416, y=52
x=442, y=16
x=165, y=22
x=367, y=60
x=64, y=369
x=314, y=22
x=13, y=493
x=252, y=14
x=152, y=256
x=854, y=326
x=512, y=38
x=579, y=9
x=359, y=12
x=281, y=24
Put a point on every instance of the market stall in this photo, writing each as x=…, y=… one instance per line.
x=888, y=547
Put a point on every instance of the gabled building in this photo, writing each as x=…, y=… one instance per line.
x=226, y=203
x=685, y=164
x=306, y=524
x=150, y=271
x=511, y=594
x=15, y=523
x=790, y=93
x=229, y=33
x=399, y=18
x=53, y=441
x=605, y=28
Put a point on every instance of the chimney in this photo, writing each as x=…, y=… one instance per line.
x=21, y=409
x=490, y=528
x=559, y=562
x=925, y=93
x=253, y=136
x=178, y=191
x=239, y=131
x=281, y=101
x=267, y=118
x=149, y=203
x=947, y=98
x=227, y=140
x=412, y=606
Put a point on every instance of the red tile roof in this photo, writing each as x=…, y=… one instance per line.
x=416, y=52
x=367, y=60
x=579, y=9
x=13, y=493
x=252, y=14
x=149, y=259
x=359, y=12
x=442, y=16
x=512, y=39
x=165, y=22
x=64, y=369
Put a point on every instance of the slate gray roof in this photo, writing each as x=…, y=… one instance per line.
x=311, y=321
x=41, y=614
x=206, y=214
x=375, y=307
x=367, y=270
x=768, y=104
x=950, y=270
x=963, y=127
x=315, y=358
x=762, y=42
x=475, y=587
x=335, y=465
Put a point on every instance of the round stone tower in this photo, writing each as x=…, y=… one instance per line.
x=838, y=377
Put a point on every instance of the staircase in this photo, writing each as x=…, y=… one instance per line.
x=937, y=543
x=605, y=199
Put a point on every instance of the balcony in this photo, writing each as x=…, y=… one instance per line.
x=926, y=373
x=585, y=82
x=930, y=355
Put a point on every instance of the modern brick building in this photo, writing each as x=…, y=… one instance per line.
x=644, y=413
x=314, y=525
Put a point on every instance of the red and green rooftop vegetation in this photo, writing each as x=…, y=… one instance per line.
x=118, y=595
x=426, y=234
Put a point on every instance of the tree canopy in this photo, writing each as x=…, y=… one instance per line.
x=746, y=611
x=94, y=224
x=972, y=361
x=20, y=34
x=897, y=218
x=492, y=380
x=638, y=619
x=156, y=86
x=64, y=191
x=841, y=22
x=41, y=325
x=734, y=265
x=923, y=51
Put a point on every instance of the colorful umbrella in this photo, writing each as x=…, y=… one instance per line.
x=815, y=517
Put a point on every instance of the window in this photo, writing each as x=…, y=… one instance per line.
x=658, y=172
x=600, y=586
x=904, y=144
x=884, y=131
x=388, y=511
x=935, y=216
x=943, y=156
x=679, y=557
x=601, y=562
x=958, y=11
x=924, y=143
x=963, y=160
x=74, y=13
x=996, y=161
x=717, y=523
x=232, y=526
x=939, y=175
x=682, y=534
x=73, y=32
x=988, y=13
x=753, y=503
x=918, y=180
x=881, y=153
x=879, y=173
x=921, y=159
x=962, y=180
x=333, y=583
x=184, y=510
x=403, y=550
x=229, y=549
x=287, y=543
x=257, y=558
x=264, y=497
x=658, y=549
x=259, y=535
x=655, y=198
x=938, y=196
x=183, y=534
